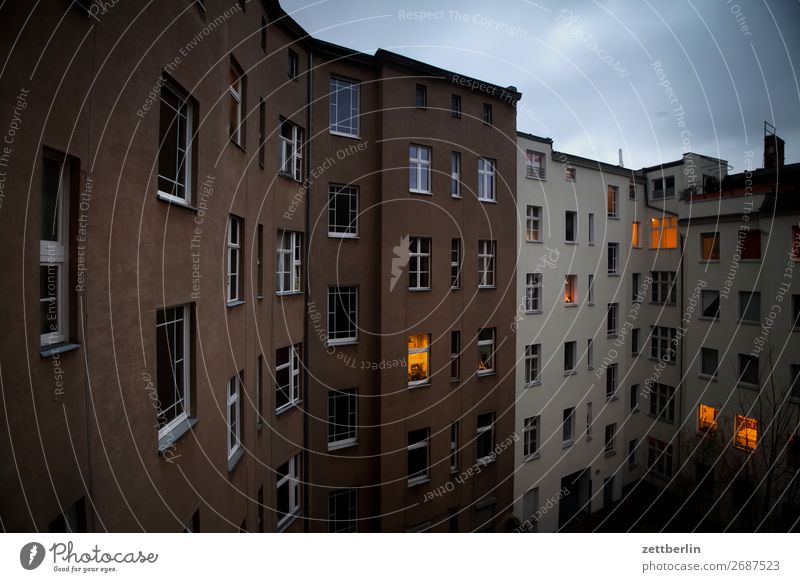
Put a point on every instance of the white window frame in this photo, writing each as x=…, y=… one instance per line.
x=530, y=437
x=533, y=223
x=455, y=174
x=570, y=353
x=455, y=263
x=291, y=480
x=235, y=94
x=533, y=292
x=289, y=251
x=455, y=355
x=185, y=112
x=487, y=262
x=659, y=458
x=663, y=343
x=664, y=289
x=590, y=290
x=291, y=151
x=55, y=255
x=486, y=180
x=613, y=258
x=533, y=368
x=612, y=375
x=338, y=193
x=612, y=212
x=339, y=86
x=419, y=168
x=234, y=259
x=534, y=170
x=568, y=423
x=234, y=415
x=590, y=354
x=334, y=335
x=454, y=446
x=591, y=228
x=574, y=216
x=480, y=431
x=610, y=438
x=419, y=263
x=490, y=369
x=185, y=400
x=612, y=317
x=293, y=364
x=343, y=435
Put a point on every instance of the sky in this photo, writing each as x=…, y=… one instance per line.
x=656, y=78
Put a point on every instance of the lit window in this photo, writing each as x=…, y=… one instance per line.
x=612, y=201
x=530, y=432
x=706, y=419
x=455, y=263
x=417, y=455
x=748, y=369
x=234, y=416
x=750, y=306
x=571, y=289
x=664, y=233
x=344, y=107
x=291, y=150
x=486, y=351
x=710, y=303
x=342, y=511
x=750, y=241
x=175, y=156
x=486, y=179
x=53, y=252
x=419, y=264
x=532, y=364
x=635, y=242
x=484, y=438
x=571, y=227
x=236, y=99
x=745, y=434
x=533, y=224
x=486, y=263
x=709, y=246
x=613, y=258
x=341, y=418
x=533, y=292
x=455, y=175
x=419, y=353
x=287, y=376
x=534, y=165
x=342, y=314
x=288, y=272
x=342, y=211
x=234, y=245
x=288, y=490
x=419, y=164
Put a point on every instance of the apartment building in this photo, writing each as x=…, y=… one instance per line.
x=275, y=279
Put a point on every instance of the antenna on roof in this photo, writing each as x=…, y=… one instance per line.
x=621, y=165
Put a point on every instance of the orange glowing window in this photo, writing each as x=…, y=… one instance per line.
x=707, y=419
x=709, y=246
x=571, y=289
x=635, y=235
x=664, y=232
x=745, y=433
x=419, y=352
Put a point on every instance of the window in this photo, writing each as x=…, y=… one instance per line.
x=533, y=224
x=487, y=114
x=745, y=434
x=571, y=289
x=236, y=92
x=659, y=458
x=664, y=232
x=632, y=444
x=291, y=150
x=342, y=509
x=421, y=97
x=570, y=355
x=612, y=201
x=796, y=311
x=531, y=436
x=419, y=264
x=635, y=342
x=706, y=419
x=287, y=489
x=486, y=263
x=591, y=228
x=634, y=397
x=709, y=362
x=173, y=367
x=260, y=261
x=664, y=289
x=663, y=343
x=795, y=245
x=750, y=306
x=751, y=244
x=590, y=353
x=234, y=416
x=342, y=314
x=568, y=425
x=613, y=258
x=175, y=155
x=71, y=520
x=664, y=187
x=455, y=175
x=612, y=372
x=419, y=164
x=534, y=165
x=635, y=240
x=259, y=391
x=455, y=263
x=419, y=356
x=794, y=389
x=533, y=292
x=590, y=290
x=342, y=211
x=570, y=174
x=709, y=246
x=262, y=131
x=454, y=448
x=263, y=34
x=344, y=107
x=234, y=264
x=293, y=65
x=532, y=364
x=484, y=438
x=53, y=252
x=571, y=227
x=455, y=106
x=417, y=452
x=611, y=319
x=486, y=351
x=486, y=176
x=611, y=433
x=662, y=402
x=530, y=509
x=455, y=355
x=287, y=376
x=748, y=369
x=710, y=304
x=341, y=418
x=588, y=421
x=636, y=283
x=288, y=272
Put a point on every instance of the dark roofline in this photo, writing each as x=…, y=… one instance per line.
x=594, y=164
x=547, y=140
x=679, y=162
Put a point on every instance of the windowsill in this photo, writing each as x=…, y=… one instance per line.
x=175, y=201
x=635, y=410
x=455, y=288
x=538, y=242
x=588, y=438
x=425, y=192
x=168, y=439
x=702, y=261
x=612, y=398
x=571, y=304
x=533, y=312
x=750, y=260
x=570, y=242
x=567, y=444
x=612, y=335
x=418, y=481
x=747, y=385
x=570, y=372
x=238, y=145
x=455, y=380
x=590, y=303
x=288, y=177
x=652, y=359
x=608, y=454
x=487, y=287
x=338, y=446
x=341, y=342
x=418, y=289
x=287, y=407
x=288, y=520
x=343, y=235
x=342, y=134
x=455, y=196
x=613, y=274
x=55, y=349
x=485, y=461
x=485, y=373
x=707, y=377
x=591, y=244
x=532, y=457
x=660, y=418
x=235, y=303
x=533, y=384
x=749, y=322
x=708, y=318
x=612, y=217
x=287, y=293
x=234, y=459
x=420, y=384
x=661, y=303
x=259, y=297
x=487, y=200
x=535, y=178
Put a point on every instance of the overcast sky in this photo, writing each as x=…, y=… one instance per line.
x=589, y=73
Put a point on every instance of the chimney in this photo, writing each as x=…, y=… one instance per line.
x=773, y=148
x=621, y=165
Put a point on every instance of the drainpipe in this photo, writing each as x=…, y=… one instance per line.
x=307, y=290
x=681, y=384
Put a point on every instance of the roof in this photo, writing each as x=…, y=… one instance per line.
x=547, y=140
